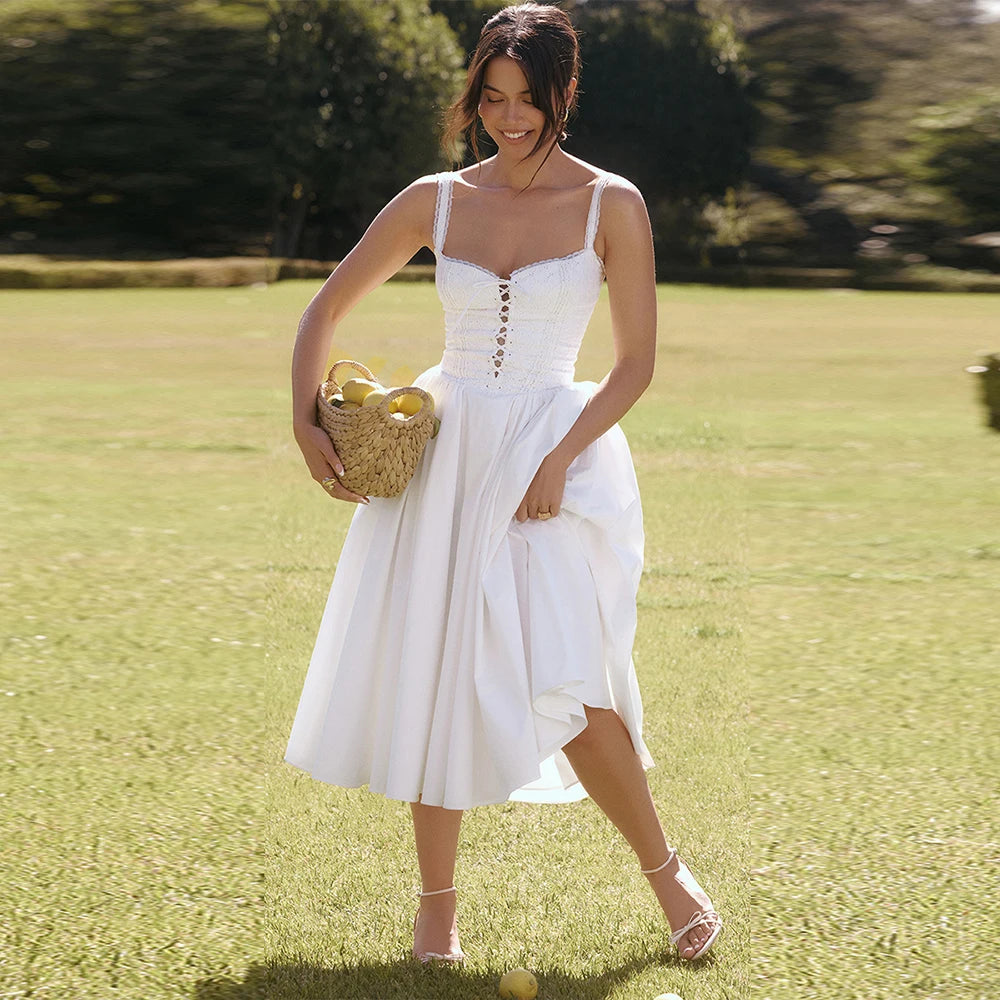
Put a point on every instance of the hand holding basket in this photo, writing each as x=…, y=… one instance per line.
x=379, y=451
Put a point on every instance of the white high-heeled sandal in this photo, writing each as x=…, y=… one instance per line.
x=708, y=918
x=453, y=957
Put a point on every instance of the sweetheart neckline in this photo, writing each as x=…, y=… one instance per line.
x=525, y=267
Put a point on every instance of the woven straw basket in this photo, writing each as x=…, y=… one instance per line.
x=379, y=452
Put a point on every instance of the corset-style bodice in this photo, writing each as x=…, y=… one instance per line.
x=507, y=335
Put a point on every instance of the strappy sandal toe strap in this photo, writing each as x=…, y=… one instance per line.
x=706, y=918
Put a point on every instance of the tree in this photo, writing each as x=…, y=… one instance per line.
x=959, y=148
x=839, y=84
x=137, y=125
x=466, y=18
x=356, y=91
x=665, y=101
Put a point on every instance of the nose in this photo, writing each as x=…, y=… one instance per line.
x=509, y=115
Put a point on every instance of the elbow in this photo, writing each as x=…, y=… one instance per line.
x=640, y=372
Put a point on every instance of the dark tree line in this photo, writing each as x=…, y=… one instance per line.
x=166, y=127
x=200, y=127
x=134, y=125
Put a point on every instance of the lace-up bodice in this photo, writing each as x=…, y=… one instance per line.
x=523, y=332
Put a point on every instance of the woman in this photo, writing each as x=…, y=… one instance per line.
x=476, y=646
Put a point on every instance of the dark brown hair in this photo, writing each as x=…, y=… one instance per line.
x=542, y=40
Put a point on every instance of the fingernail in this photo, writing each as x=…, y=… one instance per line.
x=339, y=469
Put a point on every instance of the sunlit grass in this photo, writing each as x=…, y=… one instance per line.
x=166, y=560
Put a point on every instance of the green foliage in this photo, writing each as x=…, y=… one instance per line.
x=665, y=101
x=355, y=91
x=840, y=84
x=466, y=18
x=959, y=147
x=207, y=127
x=135, y=123
x=808, y=64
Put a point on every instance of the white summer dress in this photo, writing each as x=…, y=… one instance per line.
x=475, y=640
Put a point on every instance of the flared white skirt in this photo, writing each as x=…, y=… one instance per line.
x=459, y=647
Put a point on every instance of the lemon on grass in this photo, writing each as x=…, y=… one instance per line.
x=518, y=984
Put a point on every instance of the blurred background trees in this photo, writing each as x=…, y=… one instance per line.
x=355, y=94
x=133, y=127
x=851, y=93
x=836, y=132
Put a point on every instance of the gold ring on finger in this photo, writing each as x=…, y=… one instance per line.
x=544, y=515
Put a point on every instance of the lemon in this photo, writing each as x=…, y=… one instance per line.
x=409, y=403
x=355, y=389
x=350, y=406
x=336, y=399
x=374, y=397
x=518, y=984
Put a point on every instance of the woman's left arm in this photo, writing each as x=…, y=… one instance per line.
x=631, y=275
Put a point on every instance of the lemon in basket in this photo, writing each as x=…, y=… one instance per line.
x=409, y=404
x=356, y=389
x=374, y=397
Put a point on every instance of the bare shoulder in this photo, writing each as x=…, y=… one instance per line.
x=423, y=188
x=418, y=196
x=624, y=238
x=622, y=201
x=412, y=210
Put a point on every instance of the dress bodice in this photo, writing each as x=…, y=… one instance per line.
x=523, y=332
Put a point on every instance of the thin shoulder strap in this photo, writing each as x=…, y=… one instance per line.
x=595, y=210
x=442, y=210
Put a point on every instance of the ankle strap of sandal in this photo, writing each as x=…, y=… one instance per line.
x=437, y=892
x=653, y=871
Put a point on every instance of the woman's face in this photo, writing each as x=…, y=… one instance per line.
x=509, y=117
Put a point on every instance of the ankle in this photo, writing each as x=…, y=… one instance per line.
x=671, y=856
x=437, y=892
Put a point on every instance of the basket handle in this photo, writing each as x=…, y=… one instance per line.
x=331, y=378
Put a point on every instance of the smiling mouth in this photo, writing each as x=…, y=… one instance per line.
x=515, y=135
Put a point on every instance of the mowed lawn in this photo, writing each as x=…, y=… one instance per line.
x=817, y=641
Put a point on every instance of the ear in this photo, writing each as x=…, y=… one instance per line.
x=570, y=91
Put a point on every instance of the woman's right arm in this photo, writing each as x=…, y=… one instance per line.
x=396, y=234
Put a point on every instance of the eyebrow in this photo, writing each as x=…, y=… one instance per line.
x=496, y=90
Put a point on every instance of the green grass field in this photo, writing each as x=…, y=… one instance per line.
x=817, y=642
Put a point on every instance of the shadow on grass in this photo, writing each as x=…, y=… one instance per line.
x=405, y=980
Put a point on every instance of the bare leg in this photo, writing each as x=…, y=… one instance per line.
x=436, y=833
x=610, y=770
